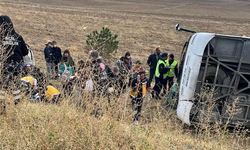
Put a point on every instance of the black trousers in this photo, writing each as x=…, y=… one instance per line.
x=151, y=76
x=10, y=83
x=159, y=84
x=170, y=82
x=56, y=68
x=137, y=106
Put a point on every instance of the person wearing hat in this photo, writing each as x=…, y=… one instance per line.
x=173, y=65
x=58, y=55
x=139, y=88
x=152, y=62
x=49, y=55
x=160, y=75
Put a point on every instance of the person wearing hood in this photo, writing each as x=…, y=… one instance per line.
x=14, y=49
x=160, y=75
x=173, y=65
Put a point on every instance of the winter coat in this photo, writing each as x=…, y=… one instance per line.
x=140, y=92
x=128, y=63
x=100, y=73
x=12, y=43
x=49, y=55
x=58, y=54
x=152, y=61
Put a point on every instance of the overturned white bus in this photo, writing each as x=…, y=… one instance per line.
x=219, y=64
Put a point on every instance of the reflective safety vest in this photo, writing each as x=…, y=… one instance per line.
x=171, y=73
x=28, y=80
x=51, y=92
x=157, y=73
x=144, y=91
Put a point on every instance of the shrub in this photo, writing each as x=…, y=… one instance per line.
x=104, y=42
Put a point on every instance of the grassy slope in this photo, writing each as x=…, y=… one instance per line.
x=40, y=126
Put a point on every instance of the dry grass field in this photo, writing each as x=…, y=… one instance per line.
x=141, y=26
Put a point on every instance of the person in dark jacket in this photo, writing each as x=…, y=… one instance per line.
x=58, y=55
x=13, y=50
x=139, y=86
x=160, y=75
x=99, y=73
x=50, y=58
x=152, y=62
x=128, y=61
x=70, y=60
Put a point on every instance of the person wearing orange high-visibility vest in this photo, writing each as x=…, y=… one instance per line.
x=173, y=64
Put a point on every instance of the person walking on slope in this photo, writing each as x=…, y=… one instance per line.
x=13, y=50
x=173, y=65
x=139, y=88
x=152, y=62
x=160, y=75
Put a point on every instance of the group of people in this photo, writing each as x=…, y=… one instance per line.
x=164, y=68
x=93, y=76
x=55, y=61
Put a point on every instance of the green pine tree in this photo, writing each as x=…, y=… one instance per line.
x=103, y=42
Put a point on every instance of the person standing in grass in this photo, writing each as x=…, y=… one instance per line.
x=152, y=62
x=128, y=62
x=173, y=65
x=70, y=60
x=49, y=55
x=139, y=88
x=161, y=73
x=65, y=65
x=58, y=55
x=13, y=49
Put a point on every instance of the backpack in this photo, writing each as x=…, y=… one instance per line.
x=29, y=59
x=64, y=78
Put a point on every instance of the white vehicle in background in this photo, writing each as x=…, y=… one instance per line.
x=219, y=64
